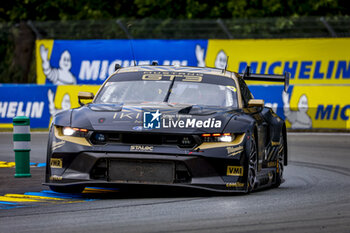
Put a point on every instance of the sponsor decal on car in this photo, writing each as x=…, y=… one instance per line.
x=54, y=177
x=232, y=151
x=192, y=123
x=234, y=171
x=137, y=128
x=153, y=120
x=55, y=163
x=182, y=76
x=234, y=185
x=141, y=148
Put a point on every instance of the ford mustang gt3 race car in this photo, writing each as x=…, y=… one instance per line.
x=169, y=126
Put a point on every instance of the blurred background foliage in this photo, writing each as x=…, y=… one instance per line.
x=43, y=10
x=23, y=21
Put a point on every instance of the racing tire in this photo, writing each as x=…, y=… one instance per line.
x=252, y=166
x=48, y=154
x=280, y=164
x=70, y=189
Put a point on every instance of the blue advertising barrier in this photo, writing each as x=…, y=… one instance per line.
x=272, y=95
x=25, y=100
x=92, y=61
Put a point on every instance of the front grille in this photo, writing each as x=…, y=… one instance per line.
x=185, y=141
x=140, y=171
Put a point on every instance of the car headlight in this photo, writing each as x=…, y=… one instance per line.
x=218, y=137
x=68, y=131
x=76, y=132
x=226, y=138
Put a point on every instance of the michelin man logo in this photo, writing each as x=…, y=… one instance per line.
x=200, y=56
x=221, y=60
x=65, y=104
x=61, y=75
x=151, y=120
x=298, y=119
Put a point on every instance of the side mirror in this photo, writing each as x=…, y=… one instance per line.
x=258, y=105
x=84, y=96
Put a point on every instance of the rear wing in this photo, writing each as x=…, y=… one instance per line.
x=267, y=77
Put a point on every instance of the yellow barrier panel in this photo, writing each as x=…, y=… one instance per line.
x=46, y=46
x=310, y=61
x=325, y=106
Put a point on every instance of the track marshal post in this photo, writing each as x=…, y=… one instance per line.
x=21, y=143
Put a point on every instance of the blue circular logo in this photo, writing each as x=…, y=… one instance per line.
x=137, y=128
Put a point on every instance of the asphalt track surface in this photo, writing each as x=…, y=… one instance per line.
x=314, y=198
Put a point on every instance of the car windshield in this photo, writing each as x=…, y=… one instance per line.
x=192, y=93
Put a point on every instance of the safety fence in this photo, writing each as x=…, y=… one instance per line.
x=294, y=27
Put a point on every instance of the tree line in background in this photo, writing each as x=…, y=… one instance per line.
x=43, y=10
x=17, y=37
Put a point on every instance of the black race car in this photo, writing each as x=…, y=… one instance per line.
x=168, y=126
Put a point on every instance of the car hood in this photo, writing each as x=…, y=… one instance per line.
x=152, y=117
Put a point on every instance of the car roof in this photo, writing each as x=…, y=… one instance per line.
x=190, y=69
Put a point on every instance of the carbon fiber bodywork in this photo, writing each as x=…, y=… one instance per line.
x=132, y=155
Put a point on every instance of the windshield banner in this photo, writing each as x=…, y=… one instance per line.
x=69, y=62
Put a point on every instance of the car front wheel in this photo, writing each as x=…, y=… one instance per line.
x=280, y=164
x=252, y=166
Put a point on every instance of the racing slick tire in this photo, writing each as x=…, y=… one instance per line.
x=280, y=163
x=48, y=152
x=252, y=165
